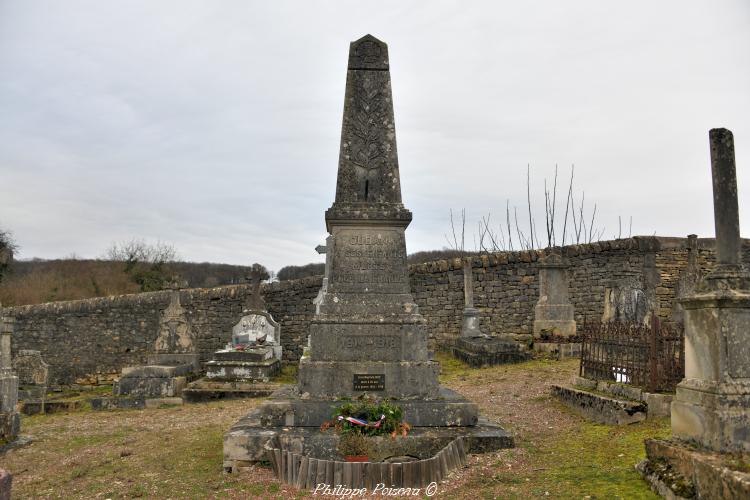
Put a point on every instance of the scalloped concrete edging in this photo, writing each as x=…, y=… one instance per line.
x=305, y=472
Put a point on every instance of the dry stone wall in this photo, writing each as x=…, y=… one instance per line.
x=89, y=341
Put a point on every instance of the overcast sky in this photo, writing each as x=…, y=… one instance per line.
x=215, y=126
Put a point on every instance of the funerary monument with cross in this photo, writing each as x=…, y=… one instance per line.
x=367, y=336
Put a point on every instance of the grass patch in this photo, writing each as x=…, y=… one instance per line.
x=287, y=375
x=595, y=460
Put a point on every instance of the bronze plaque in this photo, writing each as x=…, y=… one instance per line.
x=368, y=382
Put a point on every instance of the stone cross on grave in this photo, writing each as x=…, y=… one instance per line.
x=255, y=301
x=175, y=284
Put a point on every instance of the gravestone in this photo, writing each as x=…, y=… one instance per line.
x=254, y=354
x=173, y=360
x=246, y=365
x=476, y=348
x=367, y=337
x=32, y=374
x=553, y=314
x=470, y=324
x=10, y=420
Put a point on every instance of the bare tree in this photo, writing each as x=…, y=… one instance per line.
x=456, y=244
x=584, y=228
x=147, y=264
x=8, y=247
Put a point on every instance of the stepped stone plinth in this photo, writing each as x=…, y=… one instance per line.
x=367, y=337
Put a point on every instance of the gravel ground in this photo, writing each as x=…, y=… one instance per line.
x=176, y=452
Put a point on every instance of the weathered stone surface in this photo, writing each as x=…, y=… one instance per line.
x=489, y=351
x=553, y=314
x=286, y=408
x=10, y=422
x=175, y=334
x=6, y=484
x=260, y=371
x=114, y=403
x=205, y=390
x=251, y=354
x=149, y=387
x=10, y=425
x=599, y=408
x=248, y=445
x=559, y=350
x=156, y=371
x=254, y=326
x=657, y=404
x=403, y=379
x=30, y=368
x=354, y=341
x=692, y=471
x=189, y=360
x=712, y=403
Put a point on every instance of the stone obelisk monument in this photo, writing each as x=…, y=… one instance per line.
x=368, y=335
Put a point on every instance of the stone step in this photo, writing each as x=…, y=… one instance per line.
x=206, y=390
x=599, y=408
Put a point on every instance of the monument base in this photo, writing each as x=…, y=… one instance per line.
x=33, y=398
x=249, y=371
x=206, y=390
x=554, y=327
x=488, y=351
x=713, y=415
x=10, y=425
x=677, y=470
x=470, y=324
x=296, y=421
x=401, y=379
x=164, y=377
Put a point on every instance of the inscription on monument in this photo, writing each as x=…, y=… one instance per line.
x=367, y=257
x=359, y=342
x=367, y=382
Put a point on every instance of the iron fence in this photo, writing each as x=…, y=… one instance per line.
x=648, y=356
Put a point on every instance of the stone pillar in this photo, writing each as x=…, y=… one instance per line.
x=470, y=325
x=553, y=314
x=9, y=418
x=712, y=404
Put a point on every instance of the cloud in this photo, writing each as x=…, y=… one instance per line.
x=215, y=126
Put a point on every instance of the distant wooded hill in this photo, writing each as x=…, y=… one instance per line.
x=37, y=281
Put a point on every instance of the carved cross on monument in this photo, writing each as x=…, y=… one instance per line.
x=256, y=274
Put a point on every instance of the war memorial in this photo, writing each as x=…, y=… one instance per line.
x=367, y=337
x=658, y=326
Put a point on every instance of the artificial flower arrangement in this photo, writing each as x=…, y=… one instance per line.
x=360, y=420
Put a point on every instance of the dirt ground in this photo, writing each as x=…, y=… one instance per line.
x=176, y=452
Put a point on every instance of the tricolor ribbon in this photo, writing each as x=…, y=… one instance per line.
x=363, y=423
